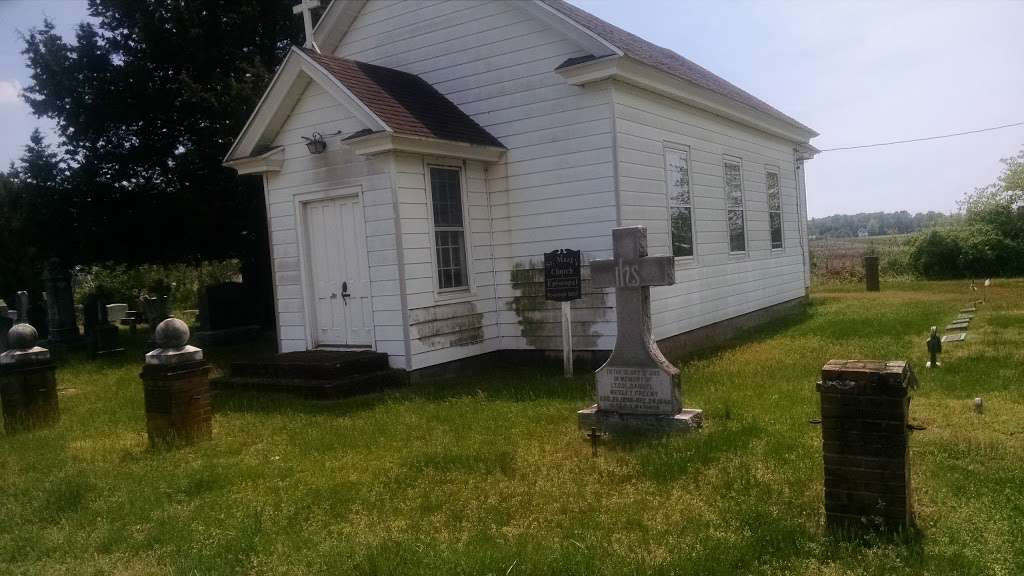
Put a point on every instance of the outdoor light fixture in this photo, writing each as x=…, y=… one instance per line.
x=316, y=143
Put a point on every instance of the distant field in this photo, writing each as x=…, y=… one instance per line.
x=841, y=259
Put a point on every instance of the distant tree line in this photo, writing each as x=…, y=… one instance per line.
x=874, y=224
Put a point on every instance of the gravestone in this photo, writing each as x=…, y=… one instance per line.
x=865, y=407
x=871, y=273
x=155, y=309
x=226, y=314
x=102, y=336
x=39, y=316
x=637, y=387
x=6, y=323
x=176, y=388
x=115, y=312
x=60, y=303
x=22, y=306
x=959, y=337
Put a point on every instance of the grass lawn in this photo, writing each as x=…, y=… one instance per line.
x=488, y=475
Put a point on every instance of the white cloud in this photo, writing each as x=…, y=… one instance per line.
x=10, y=92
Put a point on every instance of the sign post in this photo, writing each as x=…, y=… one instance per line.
x=562, y=284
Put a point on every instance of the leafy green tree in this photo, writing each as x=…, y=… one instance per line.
x=147, y=99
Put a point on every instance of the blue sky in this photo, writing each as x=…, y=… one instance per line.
x=857, y=72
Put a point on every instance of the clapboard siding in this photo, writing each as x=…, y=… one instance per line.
x=714, y=285
x=337, y=168
x=555, y=188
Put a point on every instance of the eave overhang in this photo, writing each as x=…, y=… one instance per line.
x=629, y=71
x=270, y=161
x=381, y=142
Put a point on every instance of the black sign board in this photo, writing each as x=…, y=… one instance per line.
x=562, y=275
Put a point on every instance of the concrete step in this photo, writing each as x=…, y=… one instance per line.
x=312, y=365
x=320, y=389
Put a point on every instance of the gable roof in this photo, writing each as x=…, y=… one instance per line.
x=404, y=102
x=664, y=60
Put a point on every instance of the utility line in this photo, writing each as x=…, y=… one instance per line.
x=923, y=139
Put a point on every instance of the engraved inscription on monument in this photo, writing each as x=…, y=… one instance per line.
x=636, y=390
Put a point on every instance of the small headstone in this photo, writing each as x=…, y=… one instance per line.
x=22, y=306
x=115, y=312
x=637, y=387
x=871, y=273
x=955, y=337
x=965, y=317
x=979, y=405
x=954, y=327
x=103, y=336
x=968, y=309
x=155, y=309
x=227, y=314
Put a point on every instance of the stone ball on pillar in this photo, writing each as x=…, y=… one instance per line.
x=171, y=333
x=22, y=337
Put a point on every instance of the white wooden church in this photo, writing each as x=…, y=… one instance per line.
x=418, y=158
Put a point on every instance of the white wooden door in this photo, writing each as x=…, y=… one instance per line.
x=339, y=272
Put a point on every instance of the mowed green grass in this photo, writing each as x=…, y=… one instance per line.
x=487, y=474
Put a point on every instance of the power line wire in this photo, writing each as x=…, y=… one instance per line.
x=923, y=139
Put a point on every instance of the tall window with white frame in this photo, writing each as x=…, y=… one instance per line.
x=733, y=176
x=680, y=202
x=771, y=178
x=449, y=230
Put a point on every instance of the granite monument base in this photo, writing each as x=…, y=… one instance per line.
x=608, y=421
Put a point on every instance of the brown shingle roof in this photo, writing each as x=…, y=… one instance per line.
x=405, y=102
x=665, y=60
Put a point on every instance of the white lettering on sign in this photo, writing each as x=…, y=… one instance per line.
x=635, y=390
x=627, y=274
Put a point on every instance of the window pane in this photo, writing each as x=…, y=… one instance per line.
x=682, y=232
x=678, y=175
x=447, y=197
x=733, y=185
x=774, y=200
x=737, y=238
x=776, y=221
x=451, y=259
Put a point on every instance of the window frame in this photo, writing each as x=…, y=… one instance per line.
x=770, y=169
x=742, y=209
x=467, y=286
x=668, y=148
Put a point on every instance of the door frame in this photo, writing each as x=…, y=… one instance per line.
x=306, y=274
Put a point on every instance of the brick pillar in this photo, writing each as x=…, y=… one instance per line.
x=864, y=410
x=28, y=383
x=871, y=273
x=176, y=383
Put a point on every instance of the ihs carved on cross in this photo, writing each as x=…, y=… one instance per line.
x=632, y=272
x=305, y=7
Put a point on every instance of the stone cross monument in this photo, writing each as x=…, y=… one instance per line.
x=637, y=387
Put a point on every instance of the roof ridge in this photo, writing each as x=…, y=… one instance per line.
x=666, y=60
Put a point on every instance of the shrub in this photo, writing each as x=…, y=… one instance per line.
x=936, y=253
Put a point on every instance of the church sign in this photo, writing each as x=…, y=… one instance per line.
x=562, y=275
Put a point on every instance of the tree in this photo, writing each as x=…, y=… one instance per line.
x=147, y=101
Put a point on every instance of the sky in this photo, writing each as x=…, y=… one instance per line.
x=857, y=72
